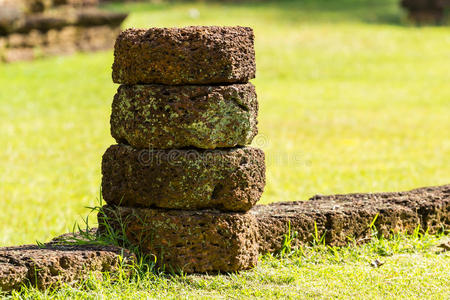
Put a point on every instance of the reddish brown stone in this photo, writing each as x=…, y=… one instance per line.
x=55, y=264
x=188, y=241
x=231, y=180
x=190, y=55
x=165, y=117
x=343, y=218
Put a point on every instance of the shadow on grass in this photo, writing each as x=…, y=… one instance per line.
x=297, y=11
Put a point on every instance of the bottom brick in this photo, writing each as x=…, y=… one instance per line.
x=189, y=241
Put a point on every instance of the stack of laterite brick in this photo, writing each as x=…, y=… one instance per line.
x=181, y=179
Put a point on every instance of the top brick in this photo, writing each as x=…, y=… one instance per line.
x=189, y=55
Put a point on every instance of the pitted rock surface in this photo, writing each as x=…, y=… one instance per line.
x=55, y=264
x=165, y=117
x=232, y=179
x=189, y=55
x=340, y=217
x=189, y=241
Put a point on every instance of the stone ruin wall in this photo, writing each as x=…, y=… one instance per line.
x=426, y=11
x=36, y=28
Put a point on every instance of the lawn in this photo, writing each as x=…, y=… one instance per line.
x=351, y=100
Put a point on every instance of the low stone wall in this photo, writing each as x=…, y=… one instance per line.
x=52, y=264
x=344, y=219
x=26, y=34
x=338, y=219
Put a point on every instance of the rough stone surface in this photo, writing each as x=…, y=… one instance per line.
x=165, y=117
x=189, y=241
x=230, y=180
x=190, y=55
x=339, y=217
x=55, y=264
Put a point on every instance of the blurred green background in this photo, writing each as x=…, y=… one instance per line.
x=352, y=99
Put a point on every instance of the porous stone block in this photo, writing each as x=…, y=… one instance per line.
x=188, y=241
x=164, y=117
x=341, y=219
x=189, y=55
x=230, y=180
x=55, y=264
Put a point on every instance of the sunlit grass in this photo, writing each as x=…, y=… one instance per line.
x=410, y=268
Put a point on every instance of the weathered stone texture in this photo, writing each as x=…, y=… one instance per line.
x=190, y=55
x=55, y=264
x=189, y=241
x=230, y=180
x=165, y=117
x=340, y=217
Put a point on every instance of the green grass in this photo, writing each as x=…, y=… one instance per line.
x=413, y=268
x=351, y=100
